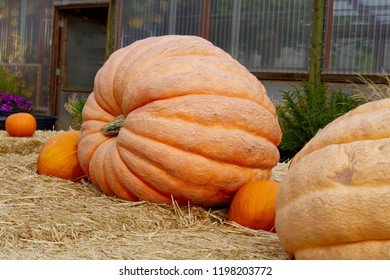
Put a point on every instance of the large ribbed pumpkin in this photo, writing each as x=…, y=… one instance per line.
x=197, y=125
x=334, y=202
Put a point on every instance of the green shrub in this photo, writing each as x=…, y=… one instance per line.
x=307, y=109
x=11, y=83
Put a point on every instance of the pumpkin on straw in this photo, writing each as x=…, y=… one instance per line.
x=176, y=116
x=58, y=157
x=20, y=125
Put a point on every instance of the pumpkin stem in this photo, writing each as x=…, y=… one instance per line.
x=113, y=127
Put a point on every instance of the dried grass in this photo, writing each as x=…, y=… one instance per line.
x=371, y=91
x=42, y=217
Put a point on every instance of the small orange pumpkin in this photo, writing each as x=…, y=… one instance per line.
x=253, y=206
x=58, y=157
x=20, y=125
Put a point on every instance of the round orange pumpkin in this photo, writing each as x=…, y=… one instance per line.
x=58, y=157
x=253, y=206
x=20, y=125
x=191, y=123
x=334, y=202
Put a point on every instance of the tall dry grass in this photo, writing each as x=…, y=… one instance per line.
x=369, y=90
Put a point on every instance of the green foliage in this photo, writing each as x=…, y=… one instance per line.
x=11, y=83
x=307, y=109
x=74, y=106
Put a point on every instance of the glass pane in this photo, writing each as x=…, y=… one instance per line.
x=264, y=35
x=141, y=19
x=85, y=48
x=187, y=17
x=25, y=33
x=360, y=37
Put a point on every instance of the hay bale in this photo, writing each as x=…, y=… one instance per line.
x=43, y=217
x=23, y=145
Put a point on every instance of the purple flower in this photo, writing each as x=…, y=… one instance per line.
x=17, y=99
x=5, y=107
x=14, y=103
x=28, y=105
x=5, y=97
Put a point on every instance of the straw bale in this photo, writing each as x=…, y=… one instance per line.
x=24, y=145
x=43, y=217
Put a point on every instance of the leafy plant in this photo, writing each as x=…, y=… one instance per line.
x=11, y=83
x=74, y=106
x=307, y=109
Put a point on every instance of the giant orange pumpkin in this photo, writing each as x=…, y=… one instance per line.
x=58, y=157
x=20, y=125
x=191, y=123
x=334, y=202
x=253, y=206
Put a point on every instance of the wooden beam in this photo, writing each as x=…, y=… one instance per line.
x=118, y=24
x=281, y=76
x=328, y=35
x=110, y=29
x=205, y=14
x=317, y=40
x=336, y=78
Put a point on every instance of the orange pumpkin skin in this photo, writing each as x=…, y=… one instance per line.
x=334, y=202
x=20, y=125
x=253, y=206
x=58, y=157
x=198, y=125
